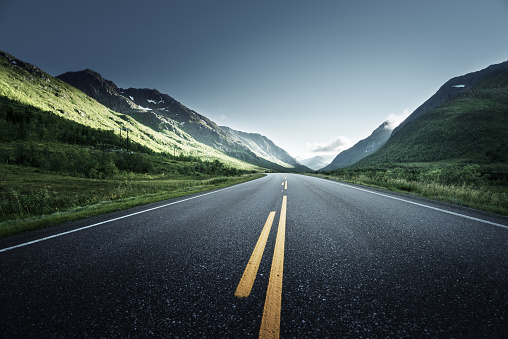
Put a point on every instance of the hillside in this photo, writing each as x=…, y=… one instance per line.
x=165, y=114
x=361, y=149
x=265, y=148
x=471, y=127
x=452, y=88
x=24, y=85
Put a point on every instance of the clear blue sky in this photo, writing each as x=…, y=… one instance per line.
x=307, y=74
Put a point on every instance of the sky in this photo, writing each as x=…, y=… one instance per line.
x=314, y=76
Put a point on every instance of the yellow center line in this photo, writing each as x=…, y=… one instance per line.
x=249, y=275
x=270, y=323
x=286, y=186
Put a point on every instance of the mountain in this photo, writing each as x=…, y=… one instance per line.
x=469, y=127
x=162, y=112
x=456, y=94
x=102, y=90
x=265, y=148
x=453, y=88
x=24, y=85
x=317, y=162
x=361, y=149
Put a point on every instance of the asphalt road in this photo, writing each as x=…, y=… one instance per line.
x=357, y=262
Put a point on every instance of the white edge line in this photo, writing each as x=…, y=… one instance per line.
x=418, y=204
x=115, y=219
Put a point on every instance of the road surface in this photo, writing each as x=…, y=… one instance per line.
x=285, y=255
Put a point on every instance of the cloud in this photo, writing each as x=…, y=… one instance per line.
x=334, y=146
x=394, y=120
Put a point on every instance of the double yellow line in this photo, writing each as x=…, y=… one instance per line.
x=270, y=323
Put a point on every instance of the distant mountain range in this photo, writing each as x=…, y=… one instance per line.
x=317, y=162
x=161, y=111
x=466, y=120
x=151, y=118
x=263, y=148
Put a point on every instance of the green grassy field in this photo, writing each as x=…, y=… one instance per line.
x=31, y=199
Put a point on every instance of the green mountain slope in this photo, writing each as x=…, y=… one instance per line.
x=27, y=85
x=472, y=127
x=264, y=148
x=166, y=115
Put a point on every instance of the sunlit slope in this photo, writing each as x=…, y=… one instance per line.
x=164, y=114
x=264, y=148
x=470, y=128
x=29, y=85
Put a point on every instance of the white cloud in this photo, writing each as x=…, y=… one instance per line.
x=334, y=146
x=394, y=120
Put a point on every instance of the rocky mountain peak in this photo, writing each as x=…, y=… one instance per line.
x=361, y=149
x=104, y=91
x=29, y=68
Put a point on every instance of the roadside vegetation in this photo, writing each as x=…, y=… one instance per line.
x=463, y=184
x=54, y=170
x=31, y=199
x=457, y=152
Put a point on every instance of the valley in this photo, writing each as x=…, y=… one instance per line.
x=79, y=127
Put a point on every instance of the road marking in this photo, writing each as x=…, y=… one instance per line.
x=115, y=219
x=286, y=186
x=251, y=270
x=270, y=323
x=421, y=205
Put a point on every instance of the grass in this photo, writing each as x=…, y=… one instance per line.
x=31, y=199
x=491, y=199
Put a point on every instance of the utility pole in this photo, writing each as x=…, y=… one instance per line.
x=127, y=139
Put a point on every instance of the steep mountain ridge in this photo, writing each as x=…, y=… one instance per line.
x=264, y=147
x=102, y=90
x=160, y=111
x=30, y=86
x=471, y=127
x=457, y=87
x=452, y=88
x=362, y=148
x=197, y=125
